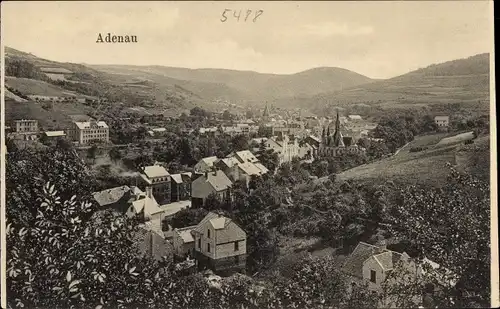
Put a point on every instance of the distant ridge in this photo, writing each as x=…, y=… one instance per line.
x=462, y=81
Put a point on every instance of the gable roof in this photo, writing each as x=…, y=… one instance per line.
x=250, y=169
x=263, y=169
x=146, y=204
x=86, y=124
x=200, y=227
x=246, y=156
x=227, y=230
x=175, y=207
x=218, y=180
x=186, y=177
x=385, y=260
x=209, y=160
x=155, y=171
x=354, y=262
x=110, y=196
x=176, y=178
x=230, y=162
x=185, y=233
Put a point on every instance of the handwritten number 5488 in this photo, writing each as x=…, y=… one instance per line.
x=237, y=15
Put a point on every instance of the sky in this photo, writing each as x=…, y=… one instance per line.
x=376, y=39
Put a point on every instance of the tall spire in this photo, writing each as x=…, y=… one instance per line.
x=266, y=111
x=337, y=136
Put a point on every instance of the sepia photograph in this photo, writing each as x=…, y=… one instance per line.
x=248, y=155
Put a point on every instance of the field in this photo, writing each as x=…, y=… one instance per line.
x=424, y=167
x=10, y=95
x=34, y=87
x=56, y=118
x=475, y=158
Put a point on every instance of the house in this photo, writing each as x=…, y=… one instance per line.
x=220, y=244
x=244, y=156
x=180, y=186
x=215, y=182
x=208, y=130
x=442, y=122
x=372, y=264
x=85, y=132
x=146, y=207
x=157, y=177
x=183, y=241
x=205, y=164
x=229, y=167
x=25, y=129
x=241, y=167
x=117, y=198
x=354, y=117
x=150, y=243
x=286, y=148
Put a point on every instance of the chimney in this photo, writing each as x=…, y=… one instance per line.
x=382, y=247
x=149, y=191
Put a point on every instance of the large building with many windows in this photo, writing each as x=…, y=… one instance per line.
x=25, y=129
x=85, y=132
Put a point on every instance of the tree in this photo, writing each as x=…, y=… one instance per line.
x=115, y=155
x=227, y=115
x=450, y=226
x=240, y=142
x=92, y=153
x=188, y=217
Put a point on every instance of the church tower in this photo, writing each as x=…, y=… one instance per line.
x=338, y=140
x=265, y=114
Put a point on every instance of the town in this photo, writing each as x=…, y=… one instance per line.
x=322, y=160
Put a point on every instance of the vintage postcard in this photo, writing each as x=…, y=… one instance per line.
x=247, y=155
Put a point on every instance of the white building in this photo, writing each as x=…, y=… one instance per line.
x=85, y=132
x=442, y=121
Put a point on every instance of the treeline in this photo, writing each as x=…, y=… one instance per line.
x=23, y=69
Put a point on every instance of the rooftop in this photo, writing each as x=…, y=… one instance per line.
x=250, y=169
x=154, y=171
x=55, y=133
x=110, y=196
x=185, y=233
x=246, y=156
x=173, y=208
x=218, y=180
x=87, y=124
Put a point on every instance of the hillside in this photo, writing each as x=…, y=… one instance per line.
x=245, y=86
x=29, y=73
x=428, y=166
x=463, y=81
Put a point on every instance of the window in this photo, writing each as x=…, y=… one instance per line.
x=199, y=243
x=236, y=246
x=208, y=233
x=208, y=247
x=373, y=276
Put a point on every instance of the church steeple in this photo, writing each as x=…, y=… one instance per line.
x=266, y=111
x=337, y=136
